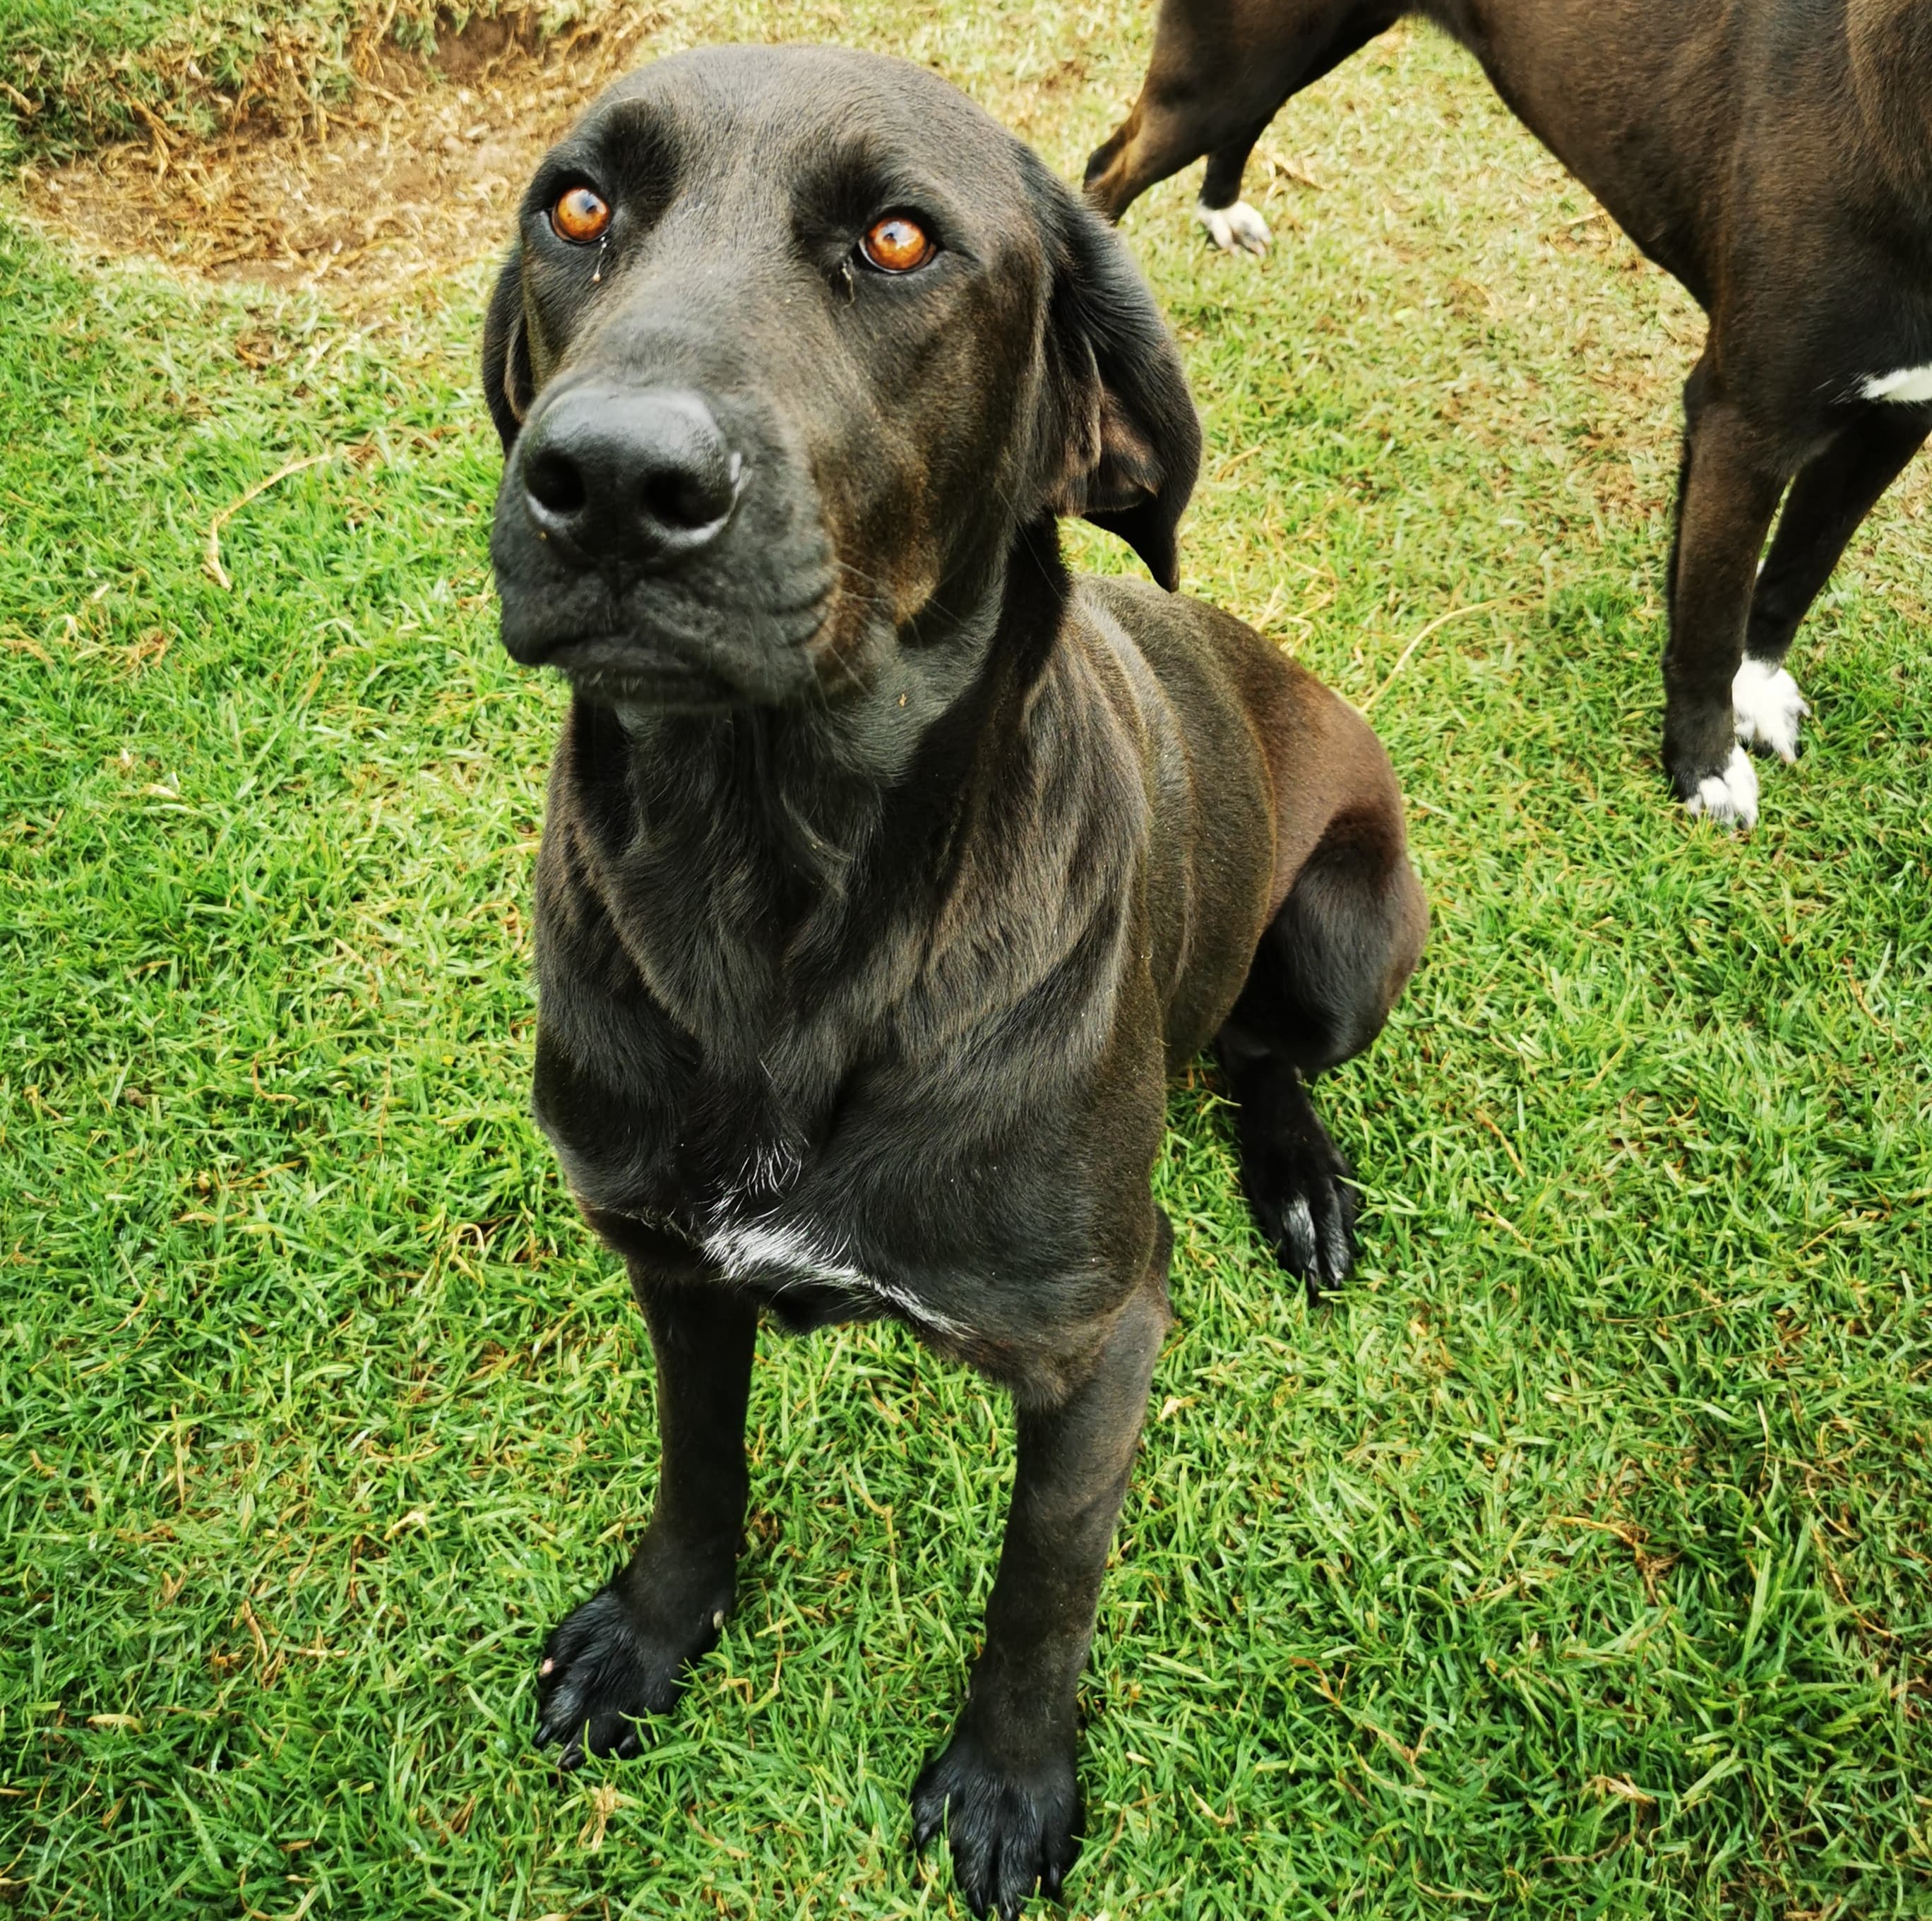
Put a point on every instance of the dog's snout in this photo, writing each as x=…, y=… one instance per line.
x=647, y=477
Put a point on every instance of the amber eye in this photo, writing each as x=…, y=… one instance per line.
x=897, y=244
x=580, y=216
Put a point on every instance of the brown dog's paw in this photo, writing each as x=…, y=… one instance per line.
x=1009, y=1829
x=601, y=1672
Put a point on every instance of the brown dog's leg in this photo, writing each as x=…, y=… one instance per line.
x=1221, y=184
x=1208, y=88
x=1326, y=972
x=1830, y=496
x=1004, y=1789
x=1829, y=501
x=1167, y=128
x=1728, y=493
x=1233, y=224
x=1219, y=72
x=623, y=1653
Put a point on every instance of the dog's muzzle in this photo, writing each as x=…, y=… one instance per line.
x=633, y=552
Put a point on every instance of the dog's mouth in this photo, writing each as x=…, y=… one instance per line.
x=613, y=669
x=772, y=665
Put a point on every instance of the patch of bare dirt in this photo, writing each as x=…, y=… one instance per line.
x=417, y=175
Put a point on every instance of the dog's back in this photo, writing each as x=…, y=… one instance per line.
x=1710, y=129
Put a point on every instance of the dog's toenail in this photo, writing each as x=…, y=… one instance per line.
x=717, y=1618
x=547, y=1665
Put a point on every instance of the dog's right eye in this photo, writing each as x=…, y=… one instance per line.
x=897, y=244
x=580, y=216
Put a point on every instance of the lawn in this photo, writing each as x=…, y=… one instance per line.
x=1573, y=1561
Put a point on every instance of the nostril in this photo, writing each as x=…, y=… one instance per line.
x=678, y=500
x=691, y=495
x=646, y=478
x=553, y=482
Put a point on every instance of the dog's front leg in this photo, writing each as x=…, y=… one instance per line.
x=1727, y=496
x=623, y=1653
x=1004, y=1790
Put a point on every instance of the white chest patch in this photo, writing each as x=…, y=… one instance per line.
x=1903, y=384
x=761, y=1247
x=1766, y=708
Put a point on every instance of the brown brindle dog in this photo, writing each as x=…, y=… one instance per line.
x=889, y=871
x=1776, y=156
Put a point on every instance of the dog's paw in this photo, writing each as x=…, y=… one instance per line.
x=1766, y=708
x=1235, y=229
x=1009, y=1829
x=1304, y=1202
x=601, y=1672
x=1730, y=797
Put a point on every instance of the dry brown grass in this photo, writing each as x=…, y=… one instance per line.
x=410, y=177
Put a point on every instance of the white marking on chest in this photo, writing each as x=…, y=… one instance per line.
x=761, y=1247
x=1730, y=798
x=772, y=1167
x=1766, y=708
x=1902, y=384
x=1235, y=229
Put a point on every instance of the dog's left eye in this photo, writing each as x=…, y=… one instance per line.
x=897, y=244
x=580, y=216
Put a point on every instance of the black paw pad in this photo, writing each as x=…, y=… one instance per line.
x=1009, y=1829
x=600, y=1672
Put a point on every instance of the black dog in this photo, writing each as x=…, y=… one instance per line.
x=1776, y=156
x=888, y=870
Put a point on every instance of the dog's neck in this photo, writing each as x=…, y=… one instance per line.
x=770, y=875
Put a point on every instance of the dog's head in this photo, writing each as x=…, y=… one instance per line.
x=791, y=345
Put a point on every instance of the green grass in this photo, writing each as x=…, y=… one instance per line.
x=1572, y=1562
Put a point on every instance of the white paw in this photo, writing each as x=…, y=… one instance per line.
x=1235, y=229
x=1767, y=706
x=1730, y=798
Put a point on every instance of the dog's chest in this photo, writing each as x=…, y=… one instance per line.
x=788, y=1254
x=765, y=1236
x=1904, y=386
x=782, y=1225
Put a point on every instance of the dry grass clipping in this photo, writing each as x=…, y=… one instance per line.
x=413, y=177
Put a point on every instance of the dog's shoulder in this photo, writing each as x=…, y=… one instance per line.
x=1233, y=691
x=1210, y=666
x=1174, y=631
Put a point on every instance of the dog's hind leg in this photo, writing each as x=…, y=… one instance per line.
x=1219, y=74
x=1325, y=973
x=624, y=1653
x=1827, y=502
x=1175, y=121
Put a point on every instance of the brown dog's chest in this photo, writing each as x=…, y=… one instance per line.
x=973, y=1205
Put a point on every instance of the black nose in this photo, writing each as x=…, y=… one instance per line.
x=612, y=473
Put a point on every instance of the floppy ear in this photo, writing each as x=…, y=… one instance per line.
x=508, y=383
x=1121, y=442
